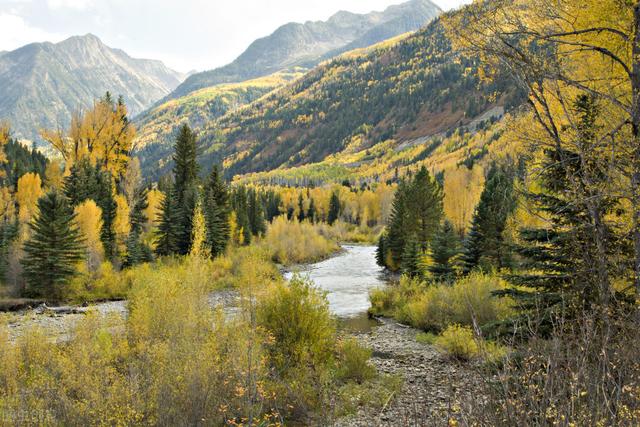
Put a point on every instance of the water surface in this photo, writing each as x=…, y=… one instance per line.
x=347, y=278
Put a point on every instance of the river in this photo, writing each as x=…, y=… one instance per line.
x=347, y=279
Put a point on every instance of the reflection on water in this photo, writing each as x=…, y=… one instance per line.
x=347, y=279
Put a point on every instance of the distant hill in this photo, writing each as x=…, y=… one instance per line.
x=307, y=44
x=408, y=91
x=42, y=84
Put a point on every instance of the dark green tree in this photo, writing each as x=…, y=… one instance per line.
x=301, y=212
x=8, y=233
x=312, y=212
x=53, y=250
x=240, y=202
x=381, y=251
x=216, y=211
x=87, y=181
x=334, y=208
x=444, y=249
x=255, y=213
x=412, y=264
x=485, y=247
x=137, y=251
x=168, y=227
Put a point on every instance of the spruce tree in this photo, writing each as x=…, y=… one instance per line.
x=87, y=181
x=312, y=212
x=185, y=191
x=8, y=233
x=412, y=264
x=381, y=251
x=484, y=246
x=255, y=213
x=334, y=208
x=168, y=226
x=301, y=213
x=416, y=213
x=137, y=251
x=444, y=249
x=54, y=248
x=241, y=208
x=216, y=211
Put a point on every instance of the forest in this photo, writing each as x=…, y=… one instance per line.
x=509, y=244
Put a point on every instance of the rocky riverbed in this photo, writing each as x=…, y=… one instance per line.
x=434, y=385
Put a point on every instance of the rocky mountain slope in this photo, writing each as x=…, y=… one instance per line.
x=403, y=92
x=307, y=44
x=42, y=84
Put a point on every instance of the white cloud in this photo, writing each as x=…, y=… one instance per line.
x=69, y=4
x=14, y=32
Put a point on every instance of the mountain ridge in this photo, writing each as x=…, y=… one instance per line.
x=306, y=45
x=44, y=83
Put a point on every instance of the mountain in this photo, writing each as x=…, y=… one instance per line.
x=42, y=84
x=307, y=44
x=407, y=91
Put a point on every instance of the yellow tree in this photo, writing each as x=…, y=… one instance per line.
x=27, y=194
x=53, y=175
x=152, y=212
x=103, y=134
x=89, y=222
x=121, y=224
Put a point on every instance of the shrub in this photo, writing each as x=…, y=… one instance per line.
x=458, y=342
x=293, y=242
x=353, y=362
x=426, y=338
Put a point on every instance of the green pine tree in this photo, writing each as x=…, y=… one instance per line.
x=216, y=211
x=137, y=251
x=185, y=191
x=485, y=246
x=256, y=213
x=301, y=213
x=168, y=227
x=412, y=264
x=334, y=208
x=54, y=248
x=444, y=249
x=312, y=212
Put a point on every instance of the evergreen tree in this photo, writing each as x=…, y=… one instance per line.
x=444, y=249
x=8, y=234
x=312, y=212
x=185, y=191
x=563, y=264
x=54, y=249
x=87, y=181
x=168, y=226
x=137, y=251
x=255, y=213
x=301, y=213
x=334, y=208
x=241, y=208
x=381, y=251
x=216, y=211
x=416, y=213
x=412, y=264
x=484, y=246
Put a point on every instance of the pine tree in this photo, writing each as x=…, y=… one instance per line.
x=412, y=265
x=561, y=264
x=241, y=208
x=381, y=251
x=301, y=213
x=334, y=208
x=444, y=249
x=416, y=213
x=312, y=212
x=168, y=226
x=54, y=249
x=216, y=210
x=8, y=234
x=255, y=213
x=87, y=181
x=484, y=246
x=137, y=251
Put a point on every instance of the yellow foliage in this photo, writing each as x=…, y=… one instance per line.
x=458, y=342
x=28, y=192
x=121, y=224
x=89, y=221
x=53, y=175
x=292, y=242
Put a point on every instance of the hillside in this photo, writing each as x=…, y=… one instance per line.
x=158, y=125
x=406, y=91
x=42, y=84
x=305, y=45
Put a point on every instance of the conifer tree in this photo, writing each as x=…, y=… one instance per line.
x=412, y=265
x=334, y=208
x=381, y=251
x=87, y=181
x=137, y=251
x=241, y=208
x=216, y=211
x=255, y=213
x=301, y=213
x=312, y=212
x=484, y=246
x=54, y=248
x=168, y=226
x=445, y=248
x=416, y=213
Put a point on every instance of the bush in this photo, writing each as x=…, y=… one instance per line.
x=426, y=338
x=458, y=342
x=293, y=242
x=433, y=307
x=353, y=362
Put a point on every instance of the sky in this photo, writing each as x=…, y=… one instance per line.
x=185, y=34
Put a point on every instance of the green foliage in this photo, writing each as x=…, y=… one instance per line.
x=21, y=160
x=426, y=338
x=216, y=210
x=168, y=228
x=485, y=247
x=415, y=218
x=334, y=208
x=87, y=181
x=53, y=250
x=444, y=250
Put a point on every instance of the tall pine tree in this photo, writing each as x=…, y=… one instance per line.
x=216, y=212
x=53, y=250
x=334, y=208
x=444, y=249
